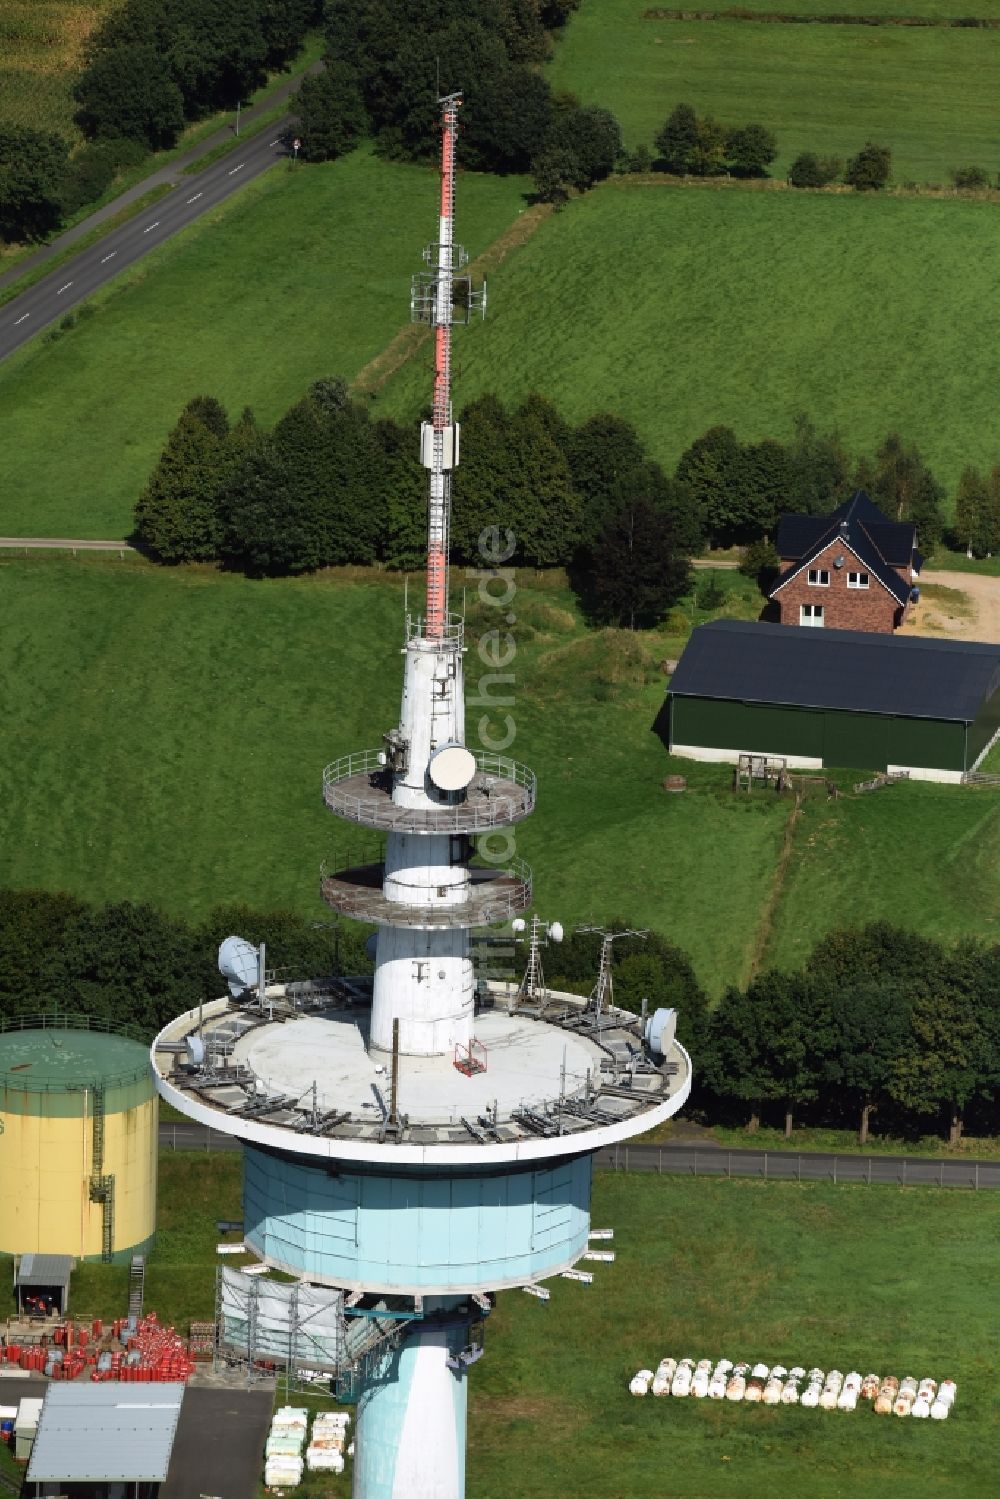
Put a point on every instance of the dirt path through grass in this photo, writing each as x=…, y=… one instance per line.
x=410, y=339
x=769, y=912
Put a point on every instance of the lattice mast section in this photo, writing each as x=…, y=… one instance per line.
x=441, y=297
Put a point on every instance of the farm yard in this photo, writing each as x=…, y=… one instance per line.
x=927, y=92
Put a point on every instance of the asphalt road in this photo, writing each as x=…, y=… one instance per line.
x=53, y=296
x=701, y=1160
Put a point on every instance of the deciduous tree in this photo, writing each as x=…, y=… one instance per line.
x=32, y=181
x=750, y=150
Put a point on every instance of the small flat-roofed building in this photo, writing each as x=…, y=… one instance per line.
x=25, y=1426
x=104, y=1441
x=825, y=698
x=42, y=1284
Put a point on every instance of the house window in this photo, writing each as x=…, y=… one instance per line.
x=819, y=577
x=857, y=580
x=811, y=614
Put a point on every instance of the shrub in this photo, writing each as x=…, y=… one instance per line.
x=760, y=561
x=869, y=170
x=970, y=177
x=711, y=594
x=810, y=170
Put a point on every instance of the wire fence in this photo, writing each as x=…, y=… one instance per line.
x=715, y=1162
x=804, y=1166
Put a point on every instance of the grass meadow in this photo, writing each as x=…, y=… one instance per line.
x=302, y=274
x=165, y=732
x=891, y=1279
x=683, y=307
x=734, y=306
x=41, y=43
x=928, y=93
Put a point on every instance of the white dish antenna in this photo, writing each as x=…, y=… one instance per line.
x=556, y=932
x=194, y=1046
x=239, y=963
x=452, y=767
x=518, y=924
x=661, y=1028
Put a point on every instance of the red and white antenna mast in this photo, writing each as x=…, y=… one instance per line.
x=441, y=298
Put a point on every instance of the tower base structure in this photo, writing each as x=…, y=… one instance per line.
x=411, y=1413
x=407, y=1232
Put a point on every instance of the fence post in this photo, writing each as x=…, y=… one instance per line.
x=904, y=1171
x=800, y=1166
x=835, y=1171
x=941, y=1175
x=729, y=1166
x=175, y=1136
x=696, y=1160
x=659, y=1161
x=977, y=1176
x=626, y=1158
x=869, y=1170
x=765, y=1165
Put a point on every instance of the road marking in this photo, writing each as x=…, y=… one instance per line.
x=64, y=288
x=236, y=169
x=21, y=319
x=195, y=198
x=109, y=257
x=275, y=142
x=149, y=227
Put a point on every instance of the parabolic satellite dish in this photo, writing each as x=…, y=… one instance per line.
x=452, y=767
x=661, y=1028
x=238, y=962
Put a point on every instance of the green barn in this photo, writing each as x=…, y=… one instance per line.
x=822, y=698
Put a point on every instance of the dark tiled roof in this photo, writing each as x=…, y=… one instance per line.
x=880, y=545
x=856, y=671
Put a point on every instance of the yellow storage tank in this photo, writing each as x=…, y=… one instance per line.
x=78, y=1115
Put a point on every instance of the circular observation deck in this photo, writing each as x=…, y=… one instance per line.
x=300, y=1076
x=494, y=895
x=359, y=788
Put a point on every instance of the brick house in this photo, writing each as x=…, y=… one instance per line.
x=852, y=570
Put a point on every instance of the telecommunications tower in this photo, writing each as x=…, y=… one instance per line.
x=420, y=1140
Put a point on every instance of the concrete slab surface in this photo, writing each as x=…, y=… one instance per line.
x=524, y=1062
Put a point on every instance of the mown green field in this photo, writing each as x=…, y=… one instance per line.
x=165, y=733
x=41, y=42
x=678, y=307
x=942, y=10
x=683, y=307
x=929, y=93
x=304, y=273
x=848, y=1278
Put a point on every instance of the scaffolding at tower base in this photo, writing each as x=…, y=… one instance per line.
x=264, y=1325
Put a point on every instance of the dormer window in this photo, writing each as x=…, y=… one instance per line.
x=819, y=577
x=857, y=580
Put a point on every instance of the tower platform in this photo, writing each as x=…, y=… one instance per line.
x=359, y=788
x=304, y=1079
x=491, y=895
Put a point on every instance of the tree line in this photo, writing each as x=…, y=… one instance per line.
x=878, y=1021
x=329, y=485
x=131, y=965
